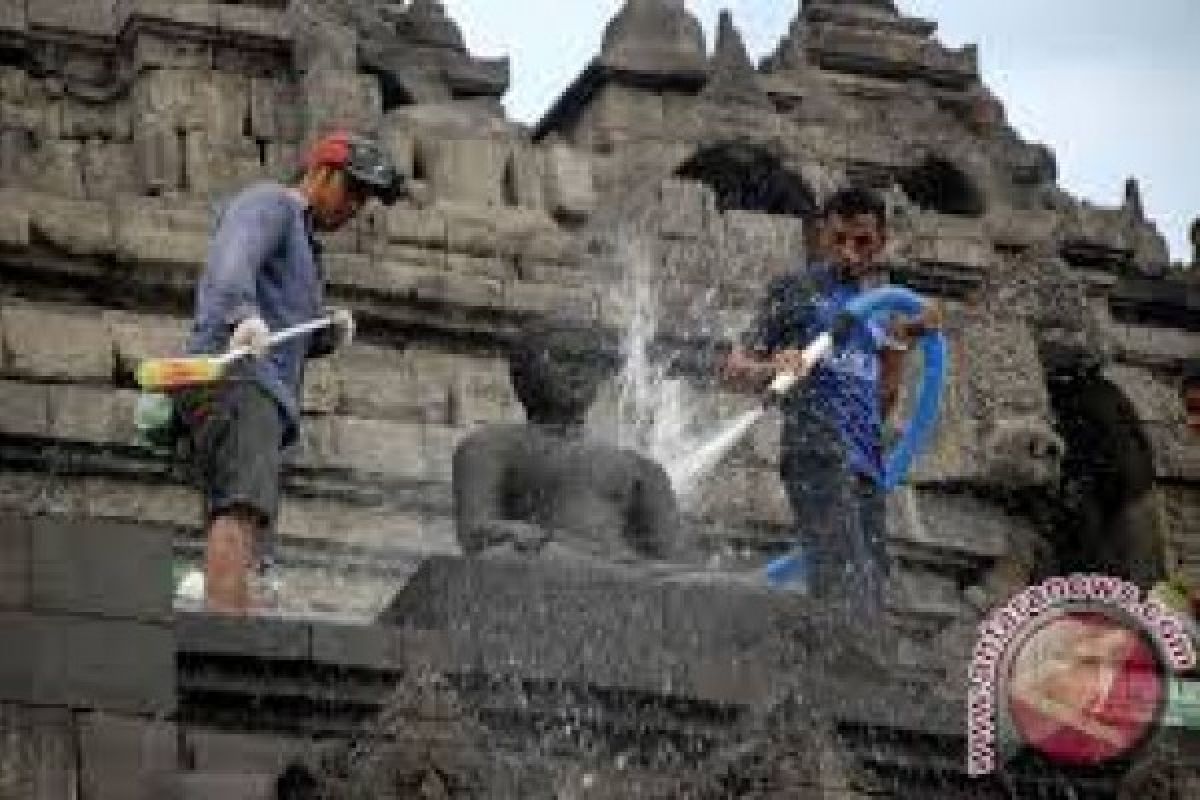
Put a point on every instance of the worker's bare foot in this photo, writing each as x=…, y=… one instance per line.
x=227, y=564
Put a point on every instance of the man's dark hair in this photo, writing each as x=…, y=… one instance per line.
x=853, y=201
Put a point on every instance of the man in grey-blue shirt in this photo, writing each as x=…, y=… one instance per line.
x=263, y=275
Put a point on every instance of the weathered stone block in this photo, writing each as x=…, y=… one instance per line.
x=321, y=42
x=72, y=227
x=755, y=247
x=400, y=140
x=14, y=227
x=153, y=50
x=24, y=409
x=167, y=97
x=253, y=20
x=105, y=568
x=218, y=167
x=151, y=233
x=241, y=753
x=15, y=545
x=85, y=120
x=1004, y=367
x=13, y=16
x=108, y=498
x=102, y=664
x=525, y=178
x=95, y=416
x=952, y=522
x=622, y=108
x=689, y=209
x=214, y=785
x=1139, y=344
x=570, y=190
x=81, y=16
x=46, y=343
x=550, y=245
x=470, y=229
x=341, y=99
x=464, y=171
x=1181, y=524
x=393, y=449
x=266, y=108
x=482, y=393
x=926, y=593
x=423, y=227
x=1155, y=398
x=140, y=336
x=214, y=634
x=159, y=155
x=543, y=298
x=109, y=170
x=37, y=752
x=379, y=383
x=126, y=758
x=56, y=168
x=225, y=100
x=497, y=269
x=439, y=286
x=742, y=494
x=1176, y=451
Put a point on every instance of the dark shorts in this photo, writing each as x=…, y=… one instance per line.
x=236, y=436
x=840, y=520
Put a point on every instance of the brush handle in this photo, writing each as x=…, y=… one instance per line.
x=279, y=337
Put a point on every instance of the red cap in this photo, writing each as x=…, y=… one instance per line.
x=331, y=150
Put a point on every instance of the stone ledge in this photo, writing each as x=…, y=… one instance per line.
x=83, y=662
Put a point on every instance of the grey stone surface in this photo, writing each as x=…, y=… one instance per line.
x=15, y=576
x=98, y=568
x=125, y=758
x=82, y=662
x=46, y=343
x=37, y=754
x=570, y=192
x=655, y=36
x=76, y=16
x=111, y=152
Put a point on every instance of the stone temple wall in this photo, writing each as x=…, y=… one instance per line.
x=123, y=124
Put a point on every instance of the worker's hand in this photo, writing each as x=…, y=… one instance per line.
x=791, y=361
x=908, y=329
x=253, y=334
x=343, y=325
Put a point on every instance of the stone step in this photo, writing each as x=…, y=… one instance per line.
x=222, y=786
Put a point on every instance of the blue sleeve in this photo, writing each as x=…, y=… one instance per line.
x=877, y=330
x=246, y=236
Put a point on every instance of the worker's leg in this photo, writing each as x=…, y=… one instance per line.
x=817, y=495
x=870, y=563
x=237, y=443
x=229, y=560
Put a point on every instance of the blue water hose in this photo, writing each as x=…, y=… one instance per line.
x=793, y=568
x=892, y=300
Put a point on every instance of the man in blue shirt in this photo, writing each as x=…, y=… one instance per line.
x=263, y=275
x=831, y=459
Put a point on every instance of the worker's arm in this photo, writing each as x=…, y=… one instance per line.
x=903, y=333
x=760, y=355
x=247, y=235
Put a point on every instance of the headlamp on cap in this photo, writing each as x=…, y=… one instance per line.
x=363, y=161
